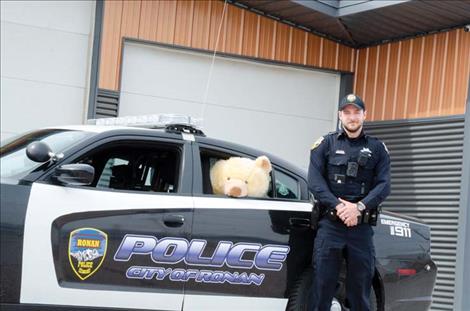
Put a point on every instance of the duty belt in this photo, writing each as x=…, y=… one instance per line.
x=366, y=217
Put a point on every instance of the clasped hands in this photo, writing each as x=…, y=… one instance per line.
x=347, y=212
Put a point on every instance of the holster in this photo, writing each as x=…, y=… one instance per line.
x=370, y=217
x=315, y=215
x=374, y=215
x=366, y=216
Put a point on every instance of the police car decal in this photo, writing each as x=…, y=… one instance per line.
x=397, y=228
x=171, y=250
x=87, y=250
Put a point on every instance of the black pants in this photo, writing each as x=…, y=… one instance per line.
x=335, y=241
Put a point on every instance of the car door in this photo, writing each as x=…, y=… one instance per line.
x=116, y=242
x=252, y=249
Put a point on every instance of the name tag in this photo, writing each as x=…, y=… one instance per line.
x=340, y=152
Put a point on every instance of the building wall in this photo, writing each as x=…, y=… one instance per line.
x=45, y=62
x=195, y=24
x=415, y=78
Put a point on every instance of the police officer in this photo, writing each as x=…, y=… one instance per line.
x=349, y=174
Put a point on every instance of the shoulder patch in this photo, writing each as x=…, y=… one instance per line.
x=318, y=142
x=386, y=149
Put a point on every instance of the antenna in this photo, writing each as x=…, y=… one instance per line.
x=209, y=78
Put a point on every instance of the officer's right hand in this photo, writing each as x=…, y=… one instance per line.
x=348, y=213
x=339, y=212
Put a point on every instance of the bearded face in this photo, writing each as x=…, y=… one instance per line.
x=352, y=118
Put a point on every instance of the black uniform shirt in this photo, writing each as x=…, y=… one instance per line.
x=334, y=171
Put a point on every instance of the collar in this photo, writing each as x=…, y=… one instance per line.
x=342, y=134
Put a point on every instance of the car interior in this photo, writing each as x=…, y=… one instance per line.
x=135, y=167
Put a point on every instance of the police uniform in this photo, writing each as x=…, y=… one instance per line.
x=356, y=170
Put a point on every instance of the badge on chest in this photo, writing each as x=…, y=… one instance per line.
x=340, y=178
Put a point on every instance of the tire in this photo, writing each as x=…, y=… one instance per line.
x=298, y=298
x=373, y=300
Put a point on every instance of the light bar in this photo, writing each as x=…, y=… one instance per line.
x=149, y=121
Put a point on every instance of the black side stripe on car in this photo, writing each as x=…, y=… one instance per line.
x=13, y=205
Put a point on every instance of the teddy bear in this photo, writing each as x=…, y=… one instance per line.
x=241, y=177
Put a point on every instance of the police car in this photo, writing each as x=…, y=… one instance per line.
x=118, y=217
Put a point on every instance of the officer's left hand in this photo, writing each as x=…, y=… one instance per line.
x=348, y=213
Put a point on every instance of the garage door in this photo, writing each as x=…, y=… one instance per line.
x=279, y=109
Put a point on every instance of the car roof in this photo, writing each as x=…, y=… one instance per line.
x=127, y=130
x=111, y=130
x=97, y=128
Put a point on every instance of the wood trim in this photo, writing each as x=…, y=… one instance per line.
x=415, y=78
x=110, y=45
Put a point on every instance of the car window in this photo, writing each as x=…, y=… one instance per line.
x=287, y=187
x=105, y=177
x=135, y=166
x=208, y=159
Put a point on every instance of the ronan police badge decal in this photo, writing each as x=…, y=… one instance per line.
x=87, y=249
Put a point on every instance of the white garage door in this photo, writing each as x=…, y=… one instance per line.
x=278, y=109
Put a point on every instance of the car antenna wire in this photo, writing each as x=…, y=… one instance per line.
x=209, y=78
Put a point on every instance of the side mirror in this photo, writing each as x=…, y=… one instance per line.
x=39, y=151
x=75, y=174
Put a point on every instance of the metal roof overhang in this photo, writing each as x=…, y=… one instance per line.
x=363, y=23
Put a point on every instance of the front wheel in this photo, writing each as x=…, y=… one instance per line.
x=298, y=299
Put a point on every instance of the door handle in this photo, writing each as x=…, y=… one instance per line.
x=173, y=220
x=297, y=222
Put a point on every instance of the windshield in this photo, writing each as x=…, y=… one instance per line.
x=14, y=162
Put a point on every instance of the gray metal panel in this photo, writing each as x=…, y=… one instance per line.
x=426, y=157
x=94, y=74
x=107, y=104
x=462, y=299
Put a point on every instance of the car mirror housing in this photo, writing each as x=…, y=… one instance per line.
x=75, y=174
x=39, y=151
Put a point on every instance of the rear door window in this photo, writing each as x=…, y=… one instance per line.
x=209, y=157
x=285, y=186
